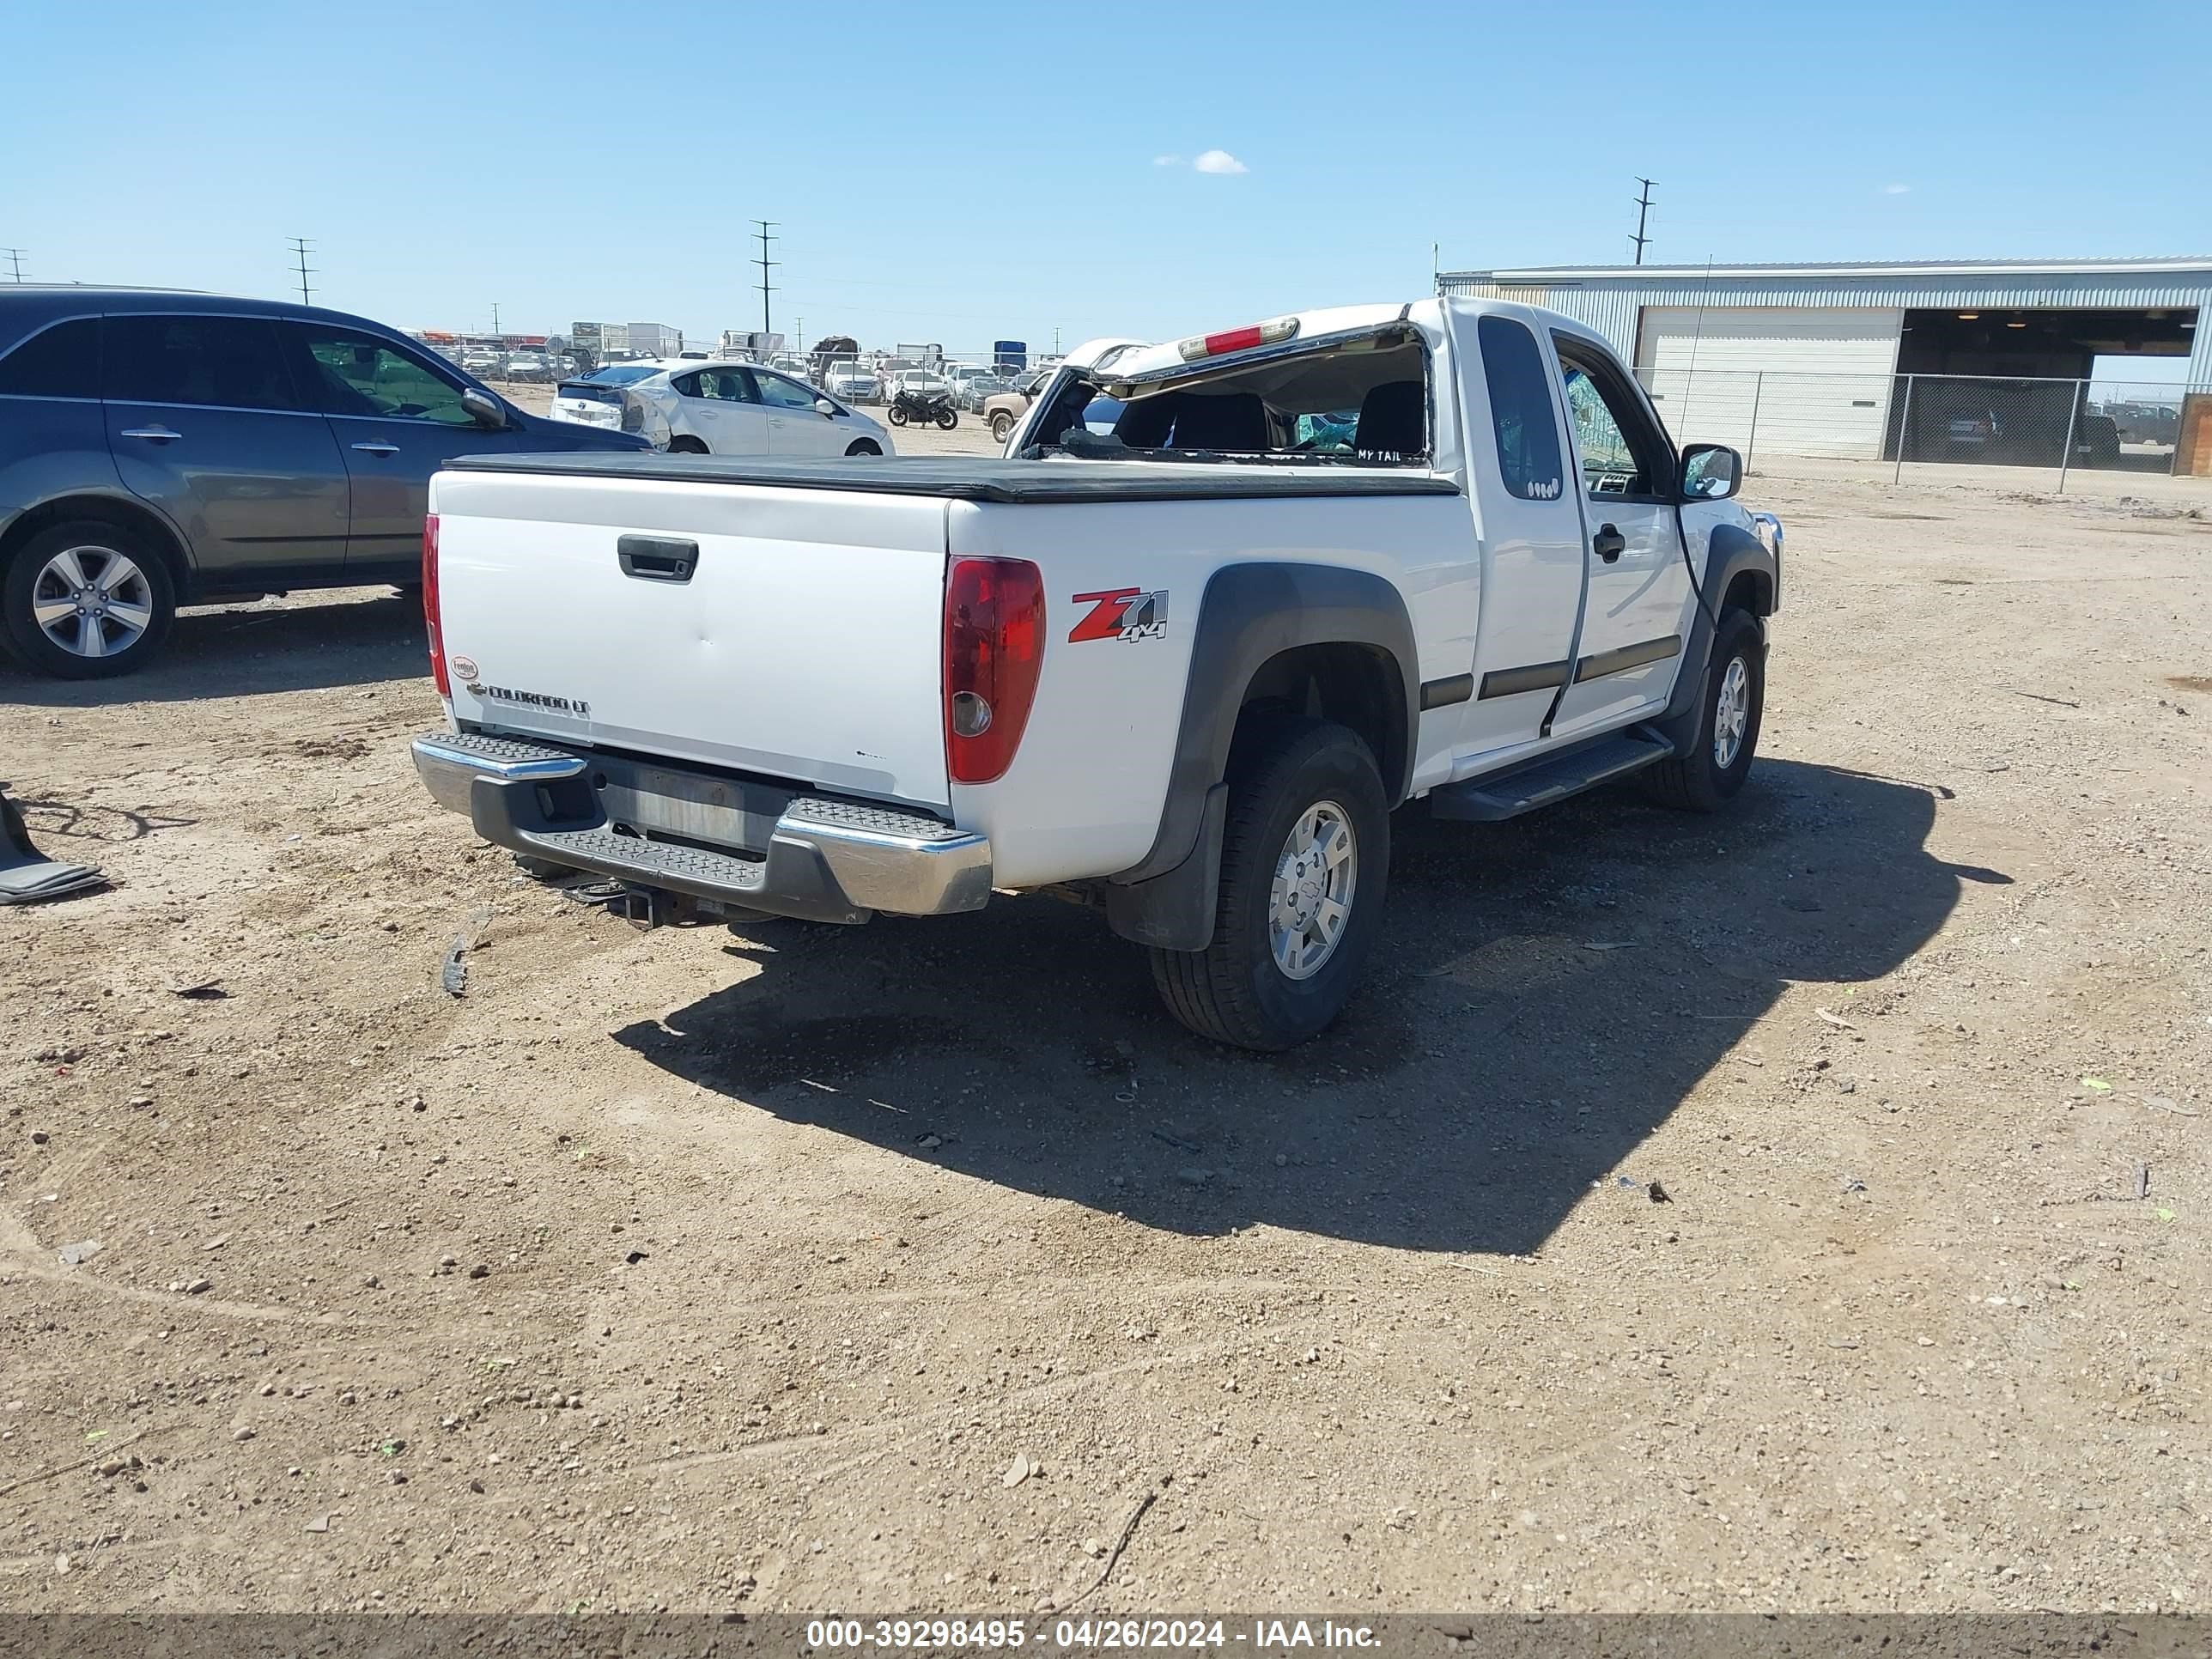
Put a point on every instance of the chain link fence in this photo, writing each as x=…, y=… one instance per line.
x=1890, y=424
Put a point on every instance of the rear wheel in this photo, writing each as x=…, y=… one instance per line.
x=1734, y=697
x=1002, y=424
x=1305, y=858
x=686, y=445
x=87, y=600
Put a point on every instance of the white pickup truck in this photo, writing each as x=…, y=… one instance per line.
x=1321, y=566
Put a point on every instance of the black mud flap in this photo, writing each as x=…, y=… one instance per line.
x=29, y=876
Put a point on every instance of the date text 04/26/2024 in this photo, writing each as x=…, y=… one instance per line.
x=1259, y=1636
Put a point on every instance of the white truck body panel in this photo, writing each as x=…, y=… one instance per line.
x=1084, y=793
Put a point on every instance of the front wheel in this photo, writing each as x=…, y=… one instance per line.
x=864, y=447
x=1305, y=858
x=87, y=600
x=1734, y=695
x=1002, y=424
x=897, y=415
x=948, y=418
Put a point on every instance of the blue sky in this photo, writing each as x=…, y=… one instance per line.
x=963, y=172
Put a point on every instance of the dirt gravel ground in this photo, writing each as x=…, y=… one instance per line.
x=800, y=1268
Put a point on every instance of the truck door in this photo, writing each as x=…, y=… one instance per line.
x=1533, y=565
x=1636, y=616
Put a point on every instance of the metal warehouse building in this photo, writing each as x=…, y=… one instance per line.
x=1934, y=360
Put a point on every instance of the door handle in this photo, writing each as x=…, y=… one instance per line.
x=160, y=435
x=656, y=559
x=379, y=447
x=1608, y=543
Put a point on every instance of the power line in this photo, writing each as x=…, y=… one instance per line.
x=766, y=265
x=15, y=259
x=299, y=249
x=1643, y=208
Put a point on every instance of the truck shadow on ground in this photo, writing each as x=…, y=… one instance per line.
x=356, y=640
x=1546, y=993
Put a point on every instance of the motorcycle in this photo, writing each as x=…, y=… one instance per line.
x=921, y=408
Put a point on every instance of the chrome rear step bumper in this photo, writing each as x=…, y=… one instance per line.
x=786, y=854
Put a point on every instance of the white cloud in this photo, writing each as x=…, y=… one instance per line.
x=1220, y=160
x=1167, y=160
x=1897, y=190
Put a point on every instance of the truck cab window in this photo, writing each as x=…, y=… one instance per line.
x=1520, y=410
x=1623, y=454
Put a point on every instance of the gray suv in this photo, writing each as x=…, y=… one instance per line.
x=159, y=449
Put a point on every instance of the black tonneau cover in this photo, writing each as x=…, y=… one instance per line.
x=979, y=478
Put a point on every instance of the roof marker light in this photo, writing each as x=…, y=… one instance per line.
x=1273, y=331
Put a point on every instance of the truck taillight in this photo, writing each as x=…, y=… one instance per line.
x=993, y=648
x=1274, y=331
x=430, y=606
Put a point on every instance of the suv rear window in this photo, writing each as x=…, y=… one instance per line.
x=59, y=361
x=232, y=362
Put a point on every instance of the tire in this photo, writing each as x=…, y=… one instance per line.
x=1002, y=424
x=1699, y=782
x=129, y=637
x=686, y=445
x=865, y=446
x=949, y=419
x=897, y=415
x=1289, y=775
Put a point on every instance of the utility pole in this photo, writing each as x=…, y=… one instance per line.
x=766, y=265
x=802, y=337
x=495, y=316
x=15, y=259
x=299, y=248
x=1643, y=208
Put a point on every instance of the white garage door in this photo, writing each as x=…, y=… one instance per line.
x=1816, y=382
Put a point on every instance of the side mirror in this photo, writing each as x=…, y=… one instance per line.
x=823, y=406
x=484, y=410
x=1711, y=472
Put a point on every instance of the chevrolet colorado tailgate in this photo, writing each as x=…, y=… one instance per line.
x=794, y=632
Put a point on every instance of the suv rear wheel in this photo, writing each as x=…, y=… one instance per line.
x=85, y=600
x=1305, y=857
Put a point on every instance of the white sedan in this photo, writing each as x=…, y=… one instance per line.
x=596, y=399
x=728, y=408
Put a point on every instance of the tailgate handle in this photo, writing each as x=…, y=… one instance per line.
x=656, y=559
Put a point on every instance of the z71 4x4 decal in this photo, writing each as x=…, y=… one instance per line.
x=1127, y=613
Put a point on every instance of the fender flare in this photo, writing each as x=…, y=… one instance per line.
x=1250, y=614
x=1731, y=551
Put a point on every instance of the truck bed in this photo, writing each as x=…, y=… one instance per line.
x=981, y=478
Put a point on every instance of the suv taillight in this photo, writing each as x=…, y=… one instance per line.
x=430, y=606
x=993, y=649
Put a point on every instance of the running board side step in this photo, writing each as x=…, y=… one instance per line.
x=1553, y=778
